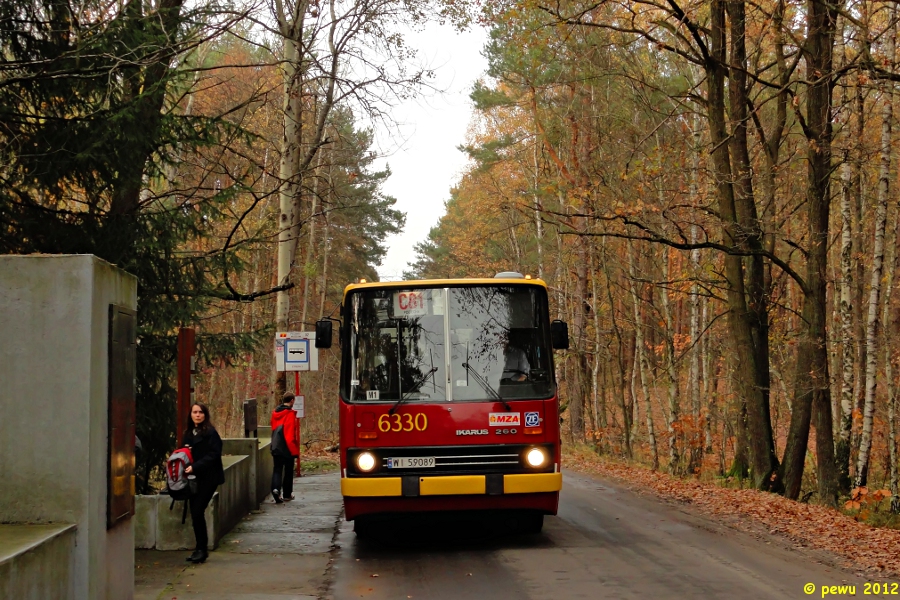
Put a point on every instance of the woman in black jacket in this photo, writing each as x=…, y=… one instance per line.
x=206, y=450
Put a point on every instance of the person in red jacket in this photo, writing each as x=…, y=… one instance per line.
x=285, y=448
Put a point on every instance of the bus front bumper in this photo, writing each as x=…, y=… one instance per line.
x=450, y=485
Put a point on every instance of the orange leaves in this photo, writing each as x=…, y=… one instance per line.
x=860, y=500
x=881, y=494
x=681, y=341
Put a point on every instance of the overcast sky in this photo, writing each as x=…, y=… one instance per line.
x=428, y=163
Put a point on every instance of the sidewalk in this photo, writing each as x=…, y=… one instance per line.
x=281, y=552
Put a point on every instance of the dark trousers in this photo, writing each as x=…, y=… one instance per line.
x=283, y=474
x=198, y=504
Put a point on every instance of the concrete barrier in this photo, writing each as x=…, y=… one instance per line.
x=37, y=561
x=172, y=535
x=264, y=467
x=234, y=503
x=261, y=465
x=248, y=472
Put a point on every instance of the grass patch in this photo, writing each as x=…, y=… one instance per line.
x=314, y=466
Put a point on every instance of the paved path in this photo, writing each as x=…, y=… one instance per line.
x=607, y=542
x=282, y=552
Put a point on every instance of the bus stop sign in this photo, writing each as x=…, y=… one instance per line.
x=296, y=351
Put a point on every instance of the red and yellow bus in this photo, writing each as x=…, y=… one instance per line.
x=448, y=399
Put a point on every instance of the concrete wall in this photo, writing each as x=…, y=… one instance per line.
x=264, y=467
x=248, y=447
x=54, y=313
x=172, y=535
x=261, y=465
x=37, y=562
x=234, y=503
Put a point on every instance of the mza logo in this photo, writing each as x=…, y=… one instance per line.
x=501, y=419
x=532, y=419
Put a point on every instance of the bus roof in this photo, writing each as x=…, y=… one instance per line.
x=431, y=283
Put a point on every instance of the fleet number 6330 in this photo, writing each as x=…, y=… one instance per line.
x=404, y=422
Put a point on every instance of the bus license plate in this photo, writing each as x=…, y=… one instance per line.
x=411, y=462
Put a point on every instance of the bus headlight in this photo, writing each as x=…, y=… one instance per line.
x=365, y=462
x=536, y=457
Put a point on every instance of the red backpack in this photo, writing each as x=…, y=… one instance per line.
x=178, y=482
x=176, y=478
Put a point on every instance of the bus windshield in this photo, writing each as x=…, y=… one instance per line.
x=471, y=343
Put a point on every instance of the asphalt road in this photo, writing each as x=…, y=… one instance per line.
x=607, y=542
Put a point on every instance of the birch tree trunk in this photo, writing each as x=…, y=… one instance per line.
x=848, y=345
x=860, y=204
x=288, y=218
x=641, y=359
x=326, y=236
x=674, y=407
x=627, y=417
x=595, y=367
x=706, y=369
x=848, y=342
x=694, y=378
x=635, y=405
x=309, y=267
x=865, y=443
x=889, y=367
x=324, y=43
x=538, y=220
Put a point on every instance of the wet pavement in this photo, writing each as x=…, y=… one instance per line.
x=283, y=551
x=607, y=542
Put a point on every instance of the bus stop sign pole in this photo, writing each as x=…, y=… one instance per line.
x=299, y=473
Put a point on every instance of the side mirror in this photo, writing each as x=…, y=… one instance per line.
x=559, y=335
x=323, y=334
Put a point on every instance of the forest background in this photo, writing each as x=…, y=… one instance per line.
x=708, y=188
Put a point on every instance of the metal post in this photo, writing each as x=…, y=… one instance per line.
x=251, y=418
x=187, y=366
x=297, y=393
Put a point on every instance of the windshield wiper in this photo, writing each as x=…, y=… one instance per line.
x=415, y=388
x=487, y=386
